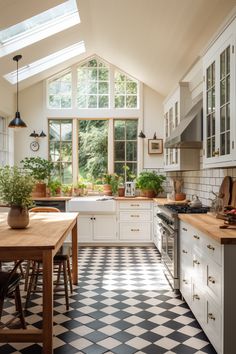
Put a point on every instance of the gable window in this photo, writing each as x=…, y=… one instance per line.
x=93, y=85
x=60, y=148
x=126, y=91
x=125, y=147
x=59, y=91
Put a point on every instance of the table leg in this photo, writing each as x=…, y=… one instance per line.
x=75, y=255
x=47, y=302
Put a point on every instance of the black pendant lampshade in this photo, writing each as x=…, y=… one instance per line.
x=17, y=122
x=34, y=135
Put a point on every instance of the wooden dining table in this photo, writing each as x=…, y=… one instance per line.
x=40, y=240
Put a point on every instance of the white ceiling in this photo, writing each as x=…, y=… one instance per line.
x=156, y=41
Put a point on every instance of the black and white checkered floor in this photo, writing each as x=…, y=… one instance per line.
x=123, y=305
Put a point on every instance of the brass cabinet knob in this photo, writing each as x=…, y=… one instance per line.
x=196, y=237
x=211, y=316
x=211, y=247
x=196, y=297
x=211, y=280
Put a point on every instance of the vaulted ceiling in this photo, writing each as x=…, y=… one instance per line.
x=155, y=41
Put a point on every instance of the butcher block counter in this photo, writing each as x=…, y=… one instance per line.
x=209, y=225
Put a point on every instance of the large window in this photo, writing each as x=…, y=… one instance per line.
x=60, y=148
x=93, y=85
x=3, y=142
x=59, y=91
x=125, y=147
x=93, y=149
x=126, y=91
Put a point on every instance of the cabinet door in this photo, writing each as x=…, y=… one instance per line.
x=85, y=228
x=104, y=227
x=219, y=106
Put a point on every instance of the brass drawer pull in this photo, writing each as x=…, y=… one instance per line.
x=184, y=251
x=184, y=229
x=196, y=237
x=211, y=247
x=196, y=297
x=135, y=230
x=134, y=216
x=135, y=205
x=211, y=316
x=211, y=280
x=185, y=281
x=196, y=262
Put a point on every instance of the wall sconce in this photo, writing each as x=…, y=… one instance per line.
x=34, y=145
x=143, y=136
x=36, y=135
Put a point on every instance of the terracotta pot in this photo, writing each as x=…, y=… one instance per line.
x=18, y=217
x=148, y=193
x=58, y=191
x=39, y=190
x=180, y=196
x=121, y=191
x=107, y=189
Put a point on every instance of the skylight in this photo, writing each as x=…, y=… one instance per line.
x=47, y=62
x=39, y=27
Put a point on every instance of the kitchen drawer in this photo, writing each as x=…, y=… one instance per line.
x=192, y=236
x=213, y=326
x=135, y=205
x=186, y=286
x=212, y=249
x=213, y=280
x=135, y=231
x=198, y=302
x=135, y=216
x=198, y=266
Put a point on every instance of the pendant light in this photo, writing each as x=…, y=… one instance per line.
x=17, y=122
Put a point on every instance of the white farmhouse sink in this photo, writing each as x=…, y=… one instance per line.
x=93, y=204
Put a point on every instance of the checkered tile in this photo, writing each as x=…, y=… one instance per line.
x=122, y=305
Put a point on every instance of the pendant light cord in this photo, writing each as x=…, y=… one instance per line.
x=17, y=85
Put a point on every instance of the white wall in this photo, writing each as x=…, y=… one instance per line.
x=7, y=99
x=34, y=114
x=153, y=122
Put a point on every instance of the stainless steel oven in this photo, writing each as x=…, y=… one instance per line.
x=168, y=226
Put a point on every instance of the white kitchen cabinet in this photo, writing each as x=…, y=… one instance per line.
x=135, y=221
x=219, y=94
x=175, y=108
x=156, y=228
x=207, y=282
x=97, y=228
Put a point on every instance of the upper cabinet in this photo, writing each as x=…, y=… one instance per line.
x=176, y=107
x=219, y=99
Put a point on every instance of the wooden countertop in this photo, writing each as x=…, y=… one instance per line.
x=209, y=225
x=163, y=201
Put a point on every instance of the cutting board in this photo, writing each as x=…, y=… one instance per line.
x=225, y=190
x=233, y=195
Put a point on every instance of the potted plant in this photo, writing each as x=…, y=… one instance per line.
x=55, y=187
x=67, y=190
x=15, y=190
x=41, y=170
x=150, y=183
x=79, y=189
x=110, y=185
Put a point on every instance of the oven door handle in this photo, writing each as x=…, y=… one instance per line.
x=168, y=229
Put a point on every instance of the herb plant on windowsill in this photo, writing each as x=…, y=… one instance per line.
x=16, y=187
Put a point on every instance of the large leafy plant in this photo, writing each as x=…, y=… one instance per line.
x=16, y=186
x=38, y=167
x=148, y=180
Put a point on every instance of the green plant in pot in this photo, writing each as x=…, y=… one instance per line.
x=111, y=181
x=150, y=183
x=16, y=187
x=41, y=170
x=55, y=187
